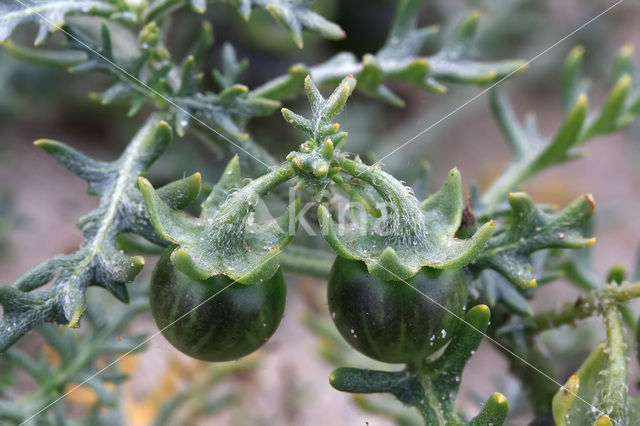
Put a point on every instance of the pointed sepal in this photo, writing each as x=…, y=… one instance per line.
x=409, y=235
x=223, y=240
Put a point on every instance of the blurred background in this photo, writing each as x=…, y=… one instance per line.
x=286, y=382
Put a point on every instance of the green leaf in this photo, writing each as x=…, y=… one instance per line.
x=51, y=57
x=563, y=400
x=231, y=70
x=320, y=125
x=432, y=387
x=223, y=240
x=447, y=369
x=573, y=83
x=401, y=384
x=532, y=154
x=314, y=162
x=529, y=230
x=402, y=59
x=495, y=289
x=49, y=15
x=294, y=15
x=98, y=262
x=102, y=339
x=569, y=409
x=144, y=79
x=494, y=412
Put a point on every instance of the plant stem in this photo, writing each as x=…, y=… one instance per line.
x=615, y=389
x=434, y=409
x=306, y=261
x=583, y=307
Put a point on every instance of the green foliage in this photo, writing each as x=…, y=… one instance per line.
x=410, y=236
x=530, y=230
x=506, y=248
x=80, y=355
x=145, y=78
x=498, y=291
x=48, y=14
x=532, y=154
x=294, y=15
x=432, y=387
x=98, y=261
x=401, y=59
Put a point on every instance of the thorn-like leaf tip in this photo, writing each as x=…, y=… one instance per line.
x=603, y=421
x=481, y=307
x=577, y=51
x=74, y=321
x=142, y=182
x=582, y=100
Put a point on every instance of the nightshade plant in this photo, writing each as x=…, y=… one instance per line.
x=498, y=245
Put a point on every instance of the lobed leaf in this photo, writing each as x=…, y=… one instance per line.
x=529, y=230
x=294, y=15
x=402, y=59
x=532, y=153
x=98, y=262
x=494, y=289
x=79, y=356
x=144, y=79
x=49, y=15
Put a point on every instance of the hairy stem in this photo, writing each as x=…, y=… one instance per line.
x=434, y=408
x=615, y=389
x=583, y=307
